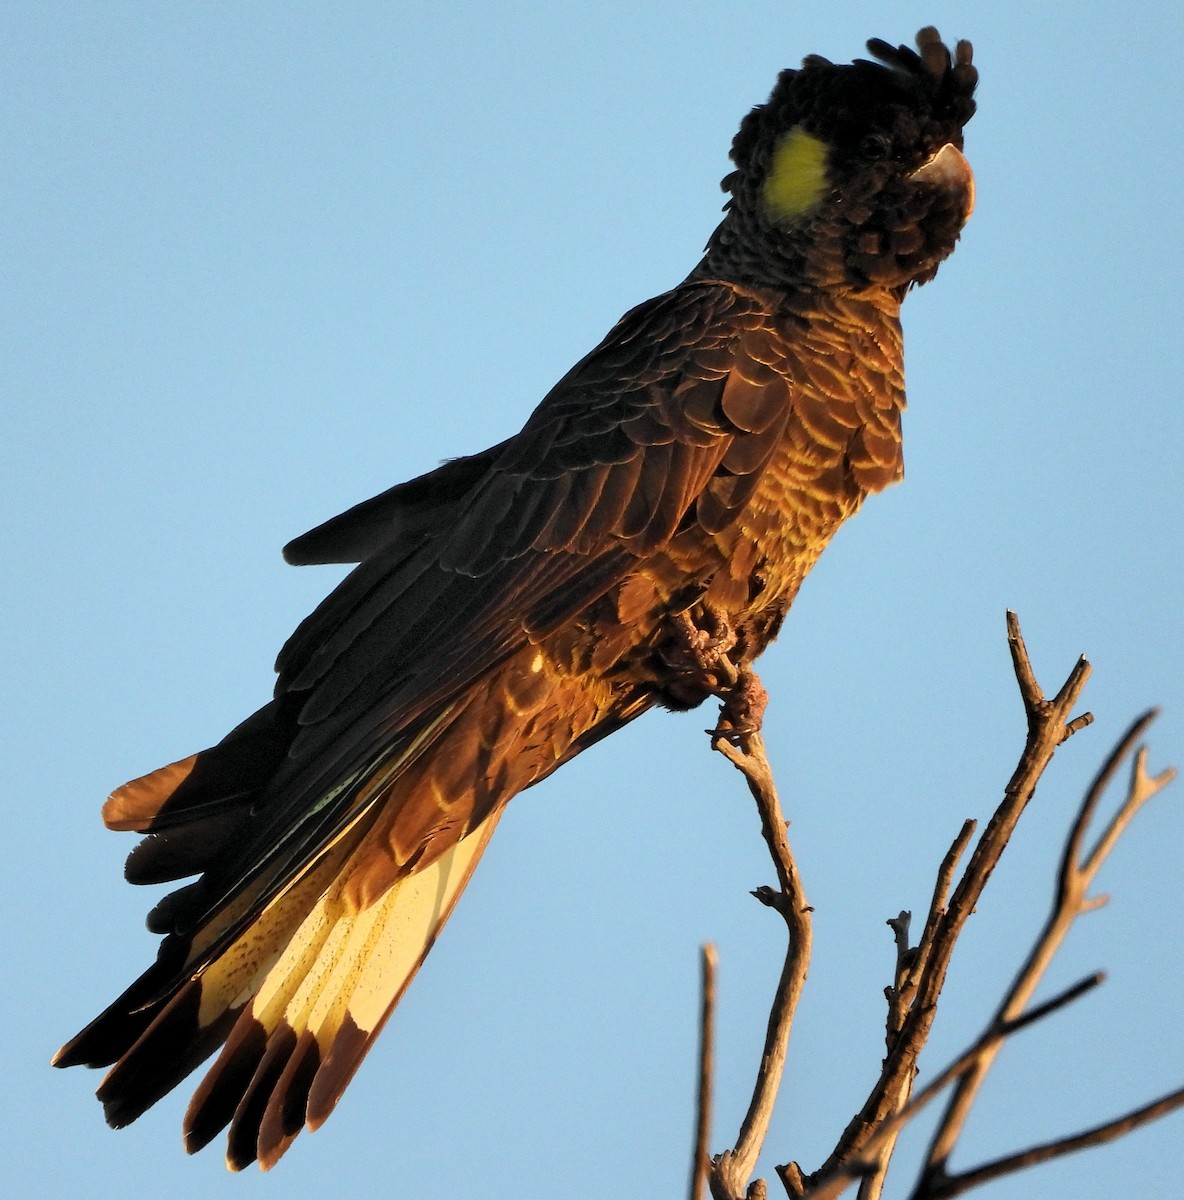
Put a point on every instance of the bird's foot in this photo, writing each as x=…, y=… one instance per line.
x=696, y=655
x=743, y=709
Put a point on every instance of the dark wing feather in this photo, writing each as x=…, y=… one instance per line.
x=403, y=514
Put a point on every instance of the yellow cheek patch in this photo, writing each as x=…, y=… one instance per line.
x=797, y=175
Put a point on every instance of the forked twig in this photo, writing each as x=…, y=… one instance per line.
x=955, y=1185
x=911, y=963
x=885, y=1134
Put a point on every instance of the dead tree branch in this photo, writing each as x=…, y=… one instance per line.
x=731, y=1170
x=700, y=1156
x=864, y=1151
x=955, y=1185
x=1072, y=900
x=1049, y=724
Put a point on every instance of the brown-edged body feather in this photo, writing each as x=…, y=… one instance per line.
x=510, y=609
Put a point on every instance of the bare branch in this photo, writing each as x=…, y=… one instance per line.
x=1142, y=787
x=955, y=1185
x=835, y=1183
x=864, y=1151
x=703, y=1103
x=1073, y=847
x=910, y=967
x=1071, y=901
x=1049, y=724
x=937, y=908
x=732, y=1169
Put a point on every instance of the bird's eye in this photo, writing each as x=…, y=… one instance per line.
x=874, y=147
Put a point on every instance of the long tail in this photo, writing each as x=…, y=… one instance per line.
x=297, y=981
x=315, y=1013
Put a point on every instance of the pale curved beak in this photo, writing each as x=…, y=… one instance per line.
x=949, y=170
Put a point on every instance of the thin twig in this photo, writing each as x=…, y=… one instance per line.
x=1142, y=787
x=937, y=908
x=1047, y=1151
x=703, y=1101
x=731, y=1170
x=910, y=968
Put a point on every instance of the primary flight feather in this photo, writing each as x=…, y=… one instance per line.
x=664, y=502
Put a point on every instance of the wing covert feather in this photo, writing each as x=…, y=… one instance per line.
x=600, y=476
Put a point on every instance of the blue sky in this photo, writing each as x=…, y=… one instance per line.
x=264, y=260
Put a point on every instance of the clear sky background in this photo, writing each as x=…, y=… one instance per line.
x=263, y=260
